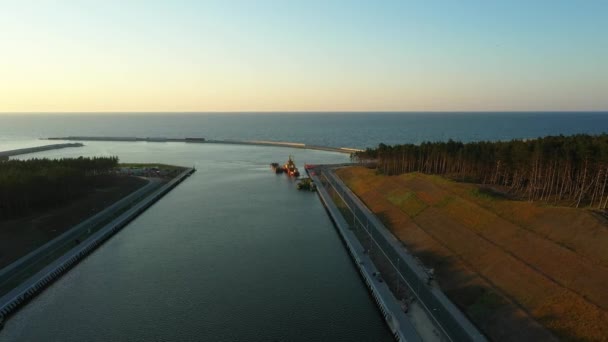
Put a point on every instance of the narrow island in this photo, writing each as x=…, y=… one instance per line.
x=53, y=212
x=514, y=232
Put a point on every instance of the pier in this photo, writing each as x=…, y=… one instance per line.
x=4, y=155
x=346, y=150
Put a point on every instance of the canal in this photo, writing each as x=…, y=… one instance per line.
x=234, y=253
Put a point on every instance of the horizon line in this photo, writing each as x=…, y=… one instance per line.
x=304, y=111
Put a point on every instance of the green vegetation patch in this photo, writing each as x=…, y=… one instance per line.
x=445, y=201
x=397, y=198
x=31, y=184
x=440, y=180
x=408, y=202
x=486, y=193
x=411, y=175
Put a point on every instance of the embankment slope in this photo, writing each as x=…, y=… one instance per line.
x=508, y=264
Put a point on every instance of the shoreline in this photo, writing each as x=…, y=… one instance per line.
x=28, y=289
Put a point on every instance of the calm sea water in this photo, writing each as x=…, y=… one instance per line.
x=335, y=129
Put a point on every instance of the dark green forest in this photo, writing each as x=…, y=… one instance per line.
x=36, y=183
x=565, y=169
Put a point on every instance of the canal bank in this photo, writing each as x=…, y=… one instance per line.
x=398, y=323
x=28, y=289
x=429, y=315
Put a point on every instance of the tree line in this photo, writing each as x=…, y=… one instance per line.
x=36, y=183
x=554, y=168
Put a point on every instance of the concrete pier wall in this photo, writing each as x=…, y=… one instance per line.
x=37, y=282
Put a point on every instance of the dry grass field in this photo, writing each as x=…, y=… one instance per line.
x=513, y=266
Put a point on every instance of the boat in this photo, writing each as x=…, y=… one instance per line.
x=290, y=167
x=276, y=168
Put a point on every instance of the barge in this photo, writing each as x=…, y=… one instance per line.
x=289, y=167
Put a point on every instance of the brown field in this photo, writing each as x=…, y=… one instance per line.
x=513, y=267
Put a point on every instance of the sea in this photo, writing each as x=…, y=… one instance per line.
x=235, y=252
x=358, y=130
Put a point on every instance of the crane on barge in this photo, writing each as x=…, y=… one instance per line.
x=289, y=167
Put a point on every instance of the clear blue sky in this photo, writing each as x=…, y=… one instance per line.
x=303, y=55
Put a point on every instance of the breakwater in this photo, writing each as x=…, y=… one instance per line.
x=33, y=285
x=410, y=279
x=6, y=154
x=347, y=150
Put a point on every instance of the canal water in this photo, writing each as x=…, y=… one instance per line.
x=234, y=253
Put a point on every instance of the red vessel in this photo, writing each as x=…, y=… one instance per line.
x=290, y=167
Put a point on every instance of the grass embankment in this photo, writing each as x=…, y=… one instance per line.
x=508, y=264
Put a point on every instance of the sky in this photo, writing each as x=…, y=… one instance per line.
x=331, y=55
